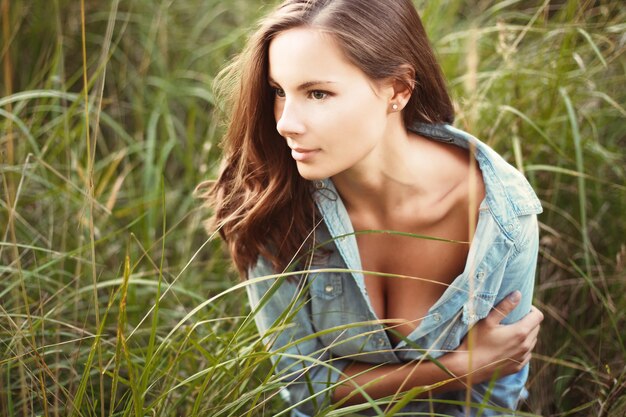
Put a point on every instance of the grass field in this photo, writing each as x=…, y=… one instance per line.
x=113, y=300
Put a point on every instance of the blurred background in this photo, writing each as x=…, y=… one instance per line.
x=115, y=301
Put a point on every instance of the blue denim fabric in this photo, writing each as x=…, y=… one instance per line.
x=311, y=355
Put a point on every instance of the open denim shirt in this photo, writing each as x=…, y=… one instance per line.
x=311, y=355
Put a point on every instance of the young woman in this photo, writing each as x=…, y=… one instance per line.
x=374, y=234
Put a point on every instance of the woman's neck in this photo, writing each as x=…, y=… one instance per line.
x=395, y=174
x=404, y=180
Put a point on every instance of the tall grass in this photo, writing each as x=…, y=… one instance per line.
x=113, y=301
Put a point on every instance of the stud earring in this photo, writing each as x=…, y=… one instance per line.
x=394, y=106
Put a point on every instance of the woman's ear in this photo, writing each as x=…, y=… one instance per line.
x=403, y=85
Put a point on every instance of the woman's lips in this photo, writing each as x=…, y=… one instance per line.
x=301, y=154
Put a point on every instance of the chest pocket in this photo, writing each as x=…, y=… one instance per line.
x=336, y=314
x=326, y=285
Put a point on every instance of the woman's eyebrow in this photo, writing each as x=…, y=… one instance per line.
x=306, y=85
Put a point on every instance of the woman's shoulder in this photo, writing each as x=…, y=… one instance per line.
x=506, y=187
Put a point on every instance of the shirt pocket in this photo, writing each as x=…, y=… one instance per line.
x=336, y=315
x=326, y=286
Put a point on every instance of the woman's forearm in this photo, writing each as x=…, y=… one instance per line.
x=386, y=380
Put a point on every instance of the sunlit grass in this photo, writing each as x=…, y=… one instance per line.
x=114, y=301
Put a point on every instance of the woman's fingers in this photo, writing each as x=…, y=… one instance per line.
x=527, y=335
x=525, y=332
x=533, y=319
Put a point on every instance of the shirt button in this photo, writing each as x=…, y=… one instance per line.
x=319, y=184
x=437, y=317
x=329, y=288
x=509, y=227
x=380, y=341
x=480, y=275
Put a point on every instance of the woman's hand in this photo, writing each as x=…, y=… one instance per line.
x=489, y=348
x=492, y=347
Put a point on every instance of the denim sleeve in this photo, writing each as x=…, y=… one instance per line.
x=519, y=274
x=282, y=315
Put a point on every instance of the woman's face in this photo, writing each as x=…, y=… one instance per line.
x=330, y=113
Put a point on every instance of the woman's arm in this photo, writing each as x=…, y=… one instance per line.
x=488, y=348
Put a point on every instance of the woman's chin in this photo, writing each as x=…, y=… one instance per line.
x=312, y=174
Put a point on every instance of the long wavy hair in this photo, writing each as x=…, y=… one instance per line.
x=261, y=205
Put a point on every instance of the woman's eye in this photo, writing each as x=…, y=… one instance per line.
x=318, y=95
x=279, y=92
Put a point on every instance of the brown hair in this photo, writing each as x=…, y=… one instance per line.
x=261, y=204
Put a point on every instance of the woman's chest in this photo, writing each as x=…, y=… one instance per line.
x=347, y=305
x=409, y=274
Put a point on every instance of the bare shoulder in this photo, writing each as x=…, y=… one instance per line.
x=454, y=176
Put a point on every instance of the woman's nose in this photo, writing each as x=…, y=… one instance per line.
x=288, y=121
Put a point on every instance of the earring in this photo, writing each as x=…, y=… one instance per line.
x=394, y=106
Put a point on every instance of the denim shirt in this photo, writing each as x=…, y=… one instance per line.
x=316, y=324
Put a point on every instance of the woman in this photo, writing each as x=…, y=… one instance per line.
x=341, y=126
